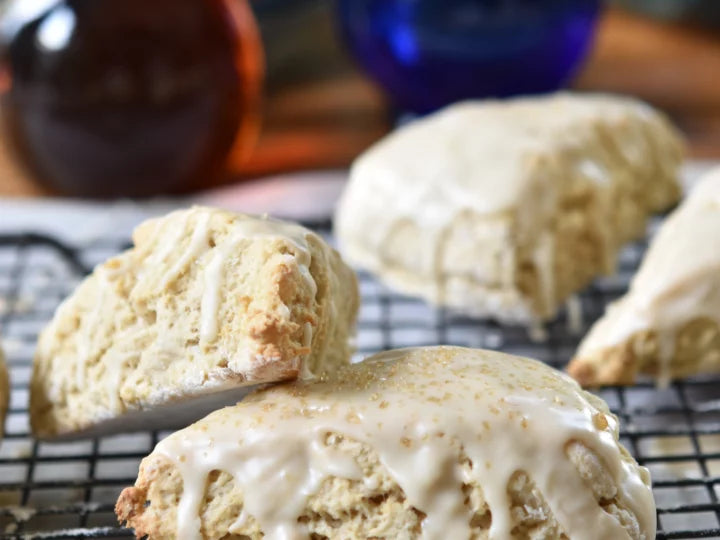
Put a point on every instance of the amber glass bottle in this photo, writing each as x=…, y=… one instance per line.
x=108, y=98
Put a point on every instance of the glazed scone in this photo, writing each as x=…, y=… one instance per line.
x=505, y=208
x=435, y=443
x=668, y=324
x=205, y=301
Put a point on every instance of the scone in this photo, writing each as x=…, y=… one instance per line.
x=505, y=208
x=668, y=324
x=205, y=301
x=439, y=442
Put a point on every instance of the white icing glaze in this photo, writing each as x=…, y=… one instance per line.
x=678, y=280
x=414, y=407
x=213, y=278
x=248, y=229
x=198, y=244
x=495, y=162
x=171, y=242
x=210, y=302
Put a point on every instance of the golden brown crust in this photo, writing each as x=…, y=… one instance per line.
x=130, y=506
x=696, y=349
x=619, y=366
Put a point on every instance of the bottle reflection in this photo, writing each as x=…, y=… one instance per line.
x=126, y=97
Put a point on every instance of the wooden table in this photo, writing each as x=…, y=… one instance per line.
x=674, y=67
x=324, y=123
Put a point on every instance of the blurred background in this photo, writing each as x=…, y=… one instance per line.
x=123, y=98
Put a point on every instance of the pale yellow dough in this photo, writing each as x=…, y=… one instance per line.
x=668, y=324
x=205, y=301
x=433, y=443
x=506, y=208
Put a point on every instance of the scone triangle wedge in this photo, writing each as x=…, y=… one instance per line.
x=437, y=442
x=206, y=301
x=504, y=209
x=668, y=324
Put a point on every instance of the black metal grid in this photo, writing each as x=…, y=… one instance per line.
x=68, y=490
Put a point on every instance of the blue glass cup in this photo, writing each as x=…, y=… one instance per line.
x=428, y=53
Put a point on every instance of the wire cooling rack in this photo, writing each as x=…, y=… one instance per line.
x=68, y=490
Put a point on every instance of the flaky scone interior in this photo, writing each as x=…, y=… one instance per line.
x=206, y=301
x=504, y=209
x=439, y=442
x=668, y=324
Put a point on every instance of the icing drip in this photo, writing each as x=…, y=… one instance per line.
x=573, y=307
x=415, y=408
x=198, y=244
x=171, y=242
x=213, y=273
x=305, y=370
x=543, y=259
x=210, y=302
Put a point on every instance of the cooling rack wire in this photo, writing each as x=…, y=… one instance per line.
x=68, y=490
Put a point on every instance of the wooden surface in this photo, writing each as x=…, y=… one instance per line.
x=674, y=67
x=324, y=122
